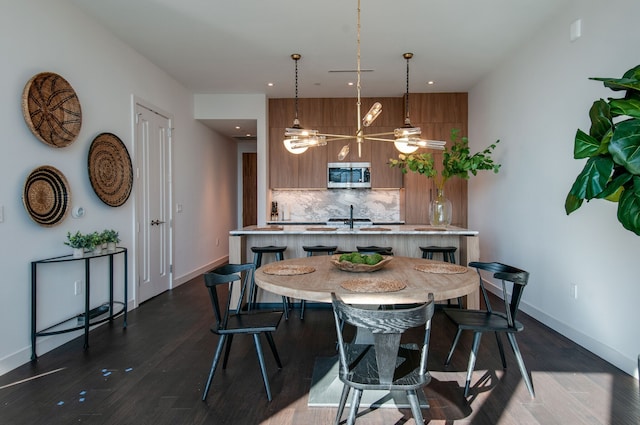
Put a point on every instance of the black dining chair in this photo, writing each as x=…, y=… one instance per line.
x=229, y=323
x=386, y=364
x=479, y=321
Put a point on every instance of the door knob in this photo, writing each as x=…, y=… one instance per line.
x=156, y=222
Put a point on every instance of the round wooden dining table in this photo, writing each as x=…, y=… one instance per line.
x=403, y=280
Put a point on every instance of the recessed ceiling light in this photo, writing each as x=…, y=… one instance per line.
x=350, y=83
x=237, y=127
x=270, y=84
x=248, y=134
x=430, y=83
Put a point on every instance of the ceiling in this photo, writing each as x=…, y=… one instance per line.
x=240, y=46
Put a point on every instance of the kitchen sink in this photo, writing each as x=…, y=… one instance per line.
x=338, y=221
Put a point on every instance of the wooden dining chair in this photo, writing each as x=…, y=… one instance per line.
x=479, y=321
x=387, y=364
x=229, y=323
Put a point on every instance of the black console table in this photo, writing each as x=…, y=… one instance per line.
x=90, y=316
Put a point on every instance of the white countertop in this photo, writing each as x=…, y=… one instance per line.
x=404, y=229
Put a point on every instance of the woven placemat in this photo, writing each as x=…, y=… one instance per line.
x=51, y=109
x=287, y=269
x=430, y=229
x=46, y=196
x=441, y=268
x=373, y=285
x=321, y=229
x=374, y=229
x=110, y=170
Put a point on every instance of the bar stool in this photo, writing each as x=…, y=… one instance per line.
x=310, y=250
x=448, y=256
x=382, y=250
x=448, y=252
x=257, y=261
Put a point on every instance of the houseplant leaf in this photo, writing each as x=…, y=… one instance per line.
x=630, y=107
x=625, y=145
x=629, y=81
x=615, y=187
x=600, y=115
x=572, y=203
x=593, y=178
x=585, y=146
x=629, y=207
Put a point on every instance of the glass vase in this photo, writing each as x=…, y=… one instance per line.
x=440, y=210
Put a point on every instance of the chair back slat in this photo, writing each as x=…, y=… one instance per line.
x=228, y=273
x=387, y=326
x=513, y=282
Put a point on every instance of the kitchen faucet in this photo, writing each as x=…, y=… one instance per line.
x=350, y=217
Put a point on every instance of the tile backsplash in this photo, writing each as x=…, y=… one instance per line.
x=320, y=205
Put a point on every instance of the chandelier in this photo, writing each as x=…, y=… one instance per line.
x=407, y=138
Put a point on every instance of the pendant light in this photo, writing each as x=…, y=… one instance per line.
x=407, y=138
x=297, y=139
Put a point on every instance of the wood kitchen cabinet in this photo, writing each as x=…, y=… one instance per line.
x=435, y=113
x=383, y=176
x=287, y=170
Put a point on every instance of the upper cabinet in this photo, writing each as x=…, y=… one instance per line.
x=333, y=117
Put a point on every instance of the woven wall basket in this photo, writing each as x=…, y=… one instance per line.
x=51, y=109
x=46, y=196
x=110, y=170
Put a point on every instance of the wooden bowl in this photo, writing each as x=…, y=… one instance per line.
x=348, y=266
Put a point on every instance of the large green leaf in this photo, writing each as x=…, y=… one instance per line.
x=600, y=115
x=630, y=107
x=593, y=178
x=629, y=207
x=585, y=146
x=625, y=145
x=618, y=84
x=629, y=81
x=614, y=188
x=633, y=73
x=572, y=203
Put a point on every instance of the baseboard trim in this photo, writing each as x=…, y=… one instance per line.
x=630, y=366
x=177, y=281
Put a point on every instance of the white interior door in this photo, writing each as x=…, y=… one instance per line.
x=153, y=202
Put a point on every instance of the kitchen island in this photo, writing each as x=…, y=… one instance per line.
x=404, y=239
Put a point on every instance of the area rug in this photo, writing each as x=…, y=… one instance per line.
x=326, y=388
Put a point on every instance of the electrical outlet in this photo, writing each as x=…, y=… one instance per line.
x=574, y=291
x=77, y=287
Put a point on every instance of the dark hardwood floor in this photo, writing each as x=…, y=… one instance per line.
x=154, y=372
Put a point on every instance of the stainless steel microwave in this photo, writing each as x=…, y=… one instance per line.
x=349, y=175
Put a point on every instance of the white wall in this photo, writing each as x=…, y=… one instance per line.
x=243, y=106
x=41, y=35
x=534, y=102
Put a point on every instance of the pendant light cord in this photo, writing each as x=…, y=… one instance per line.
x=407, y=121
x=359, y=136
x=296, y=105
x=406, y=99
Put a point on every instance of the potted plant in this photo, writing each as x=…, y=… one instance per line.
x=111, y=238
x=457, y=160
x=79, y=243
x=96, y=242
x=612, y=171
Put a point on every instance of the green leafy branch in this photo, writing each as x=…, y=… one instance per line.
x=456, y=161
